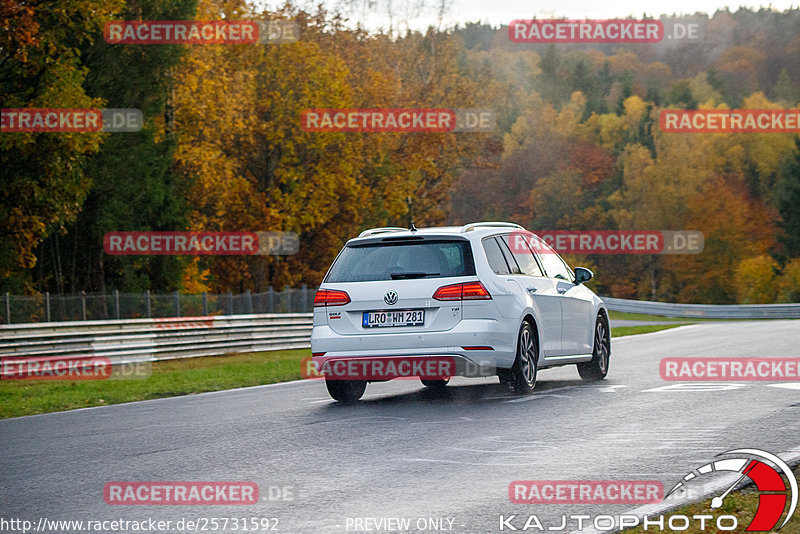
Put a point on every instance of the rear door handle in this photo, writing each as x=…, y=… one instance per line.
x=561, y=291
x=533, y=289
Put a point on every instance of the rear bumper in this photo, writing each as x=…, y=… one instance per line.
x=363, y=367
x=478, y=346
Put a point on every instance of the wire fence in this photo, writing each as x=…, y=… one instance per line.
x=99, y=306
x=15, y=309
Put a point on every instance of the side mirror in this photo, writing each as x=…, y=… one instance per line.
x=582, y=274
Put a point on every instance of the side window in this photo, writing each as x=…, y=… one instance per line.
x=495, y=256
x=509, y=257
x=523, y=255
x=553, y=265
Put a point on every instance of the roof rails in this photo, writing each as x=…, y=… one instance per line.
x=472, y=226
x=466, y=228
x=382, y=230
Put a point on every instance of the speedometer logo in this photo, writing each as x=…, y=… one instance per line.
x=751, y=463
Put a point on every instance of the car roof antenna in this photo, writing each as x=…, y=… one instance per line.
x=411, y=214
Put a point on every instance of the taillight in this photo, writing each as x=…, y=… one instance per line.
x=475, y=291
x=464, y=291
x=330, y=297
x=451, y=292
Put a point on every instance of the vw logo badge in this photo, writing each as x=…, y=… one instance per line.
x=390, y=298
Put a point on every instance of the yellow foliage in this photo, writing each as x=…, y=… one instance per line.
x=606, y=130
x=703, y=92
x=194, y=280
x=788, y=283
x=754, y=280
x=634, y=109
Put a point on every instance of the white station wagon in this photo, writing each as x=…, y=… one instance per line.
x=489, y=296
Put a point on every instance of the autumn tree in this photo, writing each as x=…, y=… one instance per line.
x=44, y=181
x=132, y=186
x=736, y=228
x=754, y=280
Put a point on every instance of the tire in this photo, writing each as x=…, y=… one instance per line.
x=597, y=368
x=346, y=390
x=524, y=370
x=435, y=384
x=504, y=375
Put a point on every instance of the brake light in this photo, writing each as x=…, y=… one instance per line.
x=330, y=297
x=464, y=291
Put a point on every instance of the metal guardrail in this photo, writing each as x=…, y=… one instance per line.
x=708, y=311
x=141, y=340
x=138, y=340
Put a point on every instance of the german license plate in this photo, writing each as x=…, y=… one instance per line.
x=379, y=319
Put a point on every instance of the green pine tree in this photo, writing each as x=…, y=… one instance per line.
x=788, y=200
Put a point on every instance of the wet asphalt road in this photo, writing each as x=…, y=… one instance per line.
x=440, y=460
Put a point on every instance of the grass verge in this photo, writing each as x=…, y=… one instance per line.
x=626, y=316
x=742, y=504
x=169, y=379
x=173, y=378
x=621, y=331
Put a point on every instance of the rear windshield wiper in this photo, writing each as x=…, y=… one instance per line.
x=407, y=275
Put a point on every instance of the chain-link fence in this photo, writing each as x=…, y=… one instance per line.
x=98, y=306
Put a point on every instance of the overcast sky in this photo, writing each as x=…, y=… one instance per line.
x=498, y=12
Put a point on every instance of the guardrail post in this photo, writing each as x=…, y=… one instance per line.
x=288, y=291
x=116, y=303
x=230, y=303
x=7, y=298
x=177, y=304
x=47, y=305
x=83, y=305
x=304, y=298
x=205, y=304
x=249, y=302
x=270, y=300
x=147, y=303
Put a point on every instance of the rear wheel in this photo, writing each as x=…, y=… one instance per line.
x=435, y=384
x=523, y=372
x=597, y=368
x=346, y=390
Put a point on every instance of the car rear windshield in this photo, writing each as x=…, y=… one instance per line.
x=403, y=260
